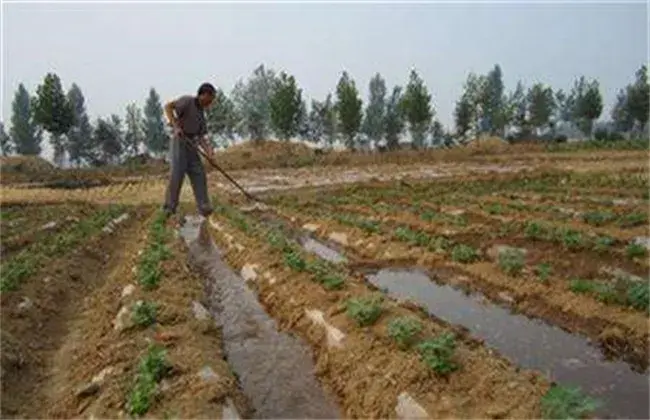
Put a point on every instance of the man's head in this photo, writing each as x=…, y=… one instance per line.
x=206, y=94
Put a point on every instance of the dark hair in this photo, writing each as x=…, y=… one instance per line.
x=206, y=88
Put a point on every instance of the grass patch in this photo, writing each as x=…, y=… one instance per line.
x=365, y=310
x=543, y=271
x=624, y=291
x=28, y=261
x=404, y=331
x=437, y=353
x=151, y=369
x=634, y=250
x=562, y=402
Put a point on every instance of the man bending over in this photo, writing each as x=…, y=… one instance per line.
x=187, y=118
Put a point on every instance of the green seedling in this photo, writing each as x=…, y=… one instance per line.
x=511, y=261
x=428, y=215
x=144, y=313
x=494, y=208
x=294, y=261
x=632, y=220
x=332, y=282
x=437, y=353
x=464, y=254
x=570, y=238
x=536, y=230
x=562, y=402
x=581, y=286
x=638, y=295
x=404, y=331
x=151, y=369
x=603, y=243
x=543, y=271
x=597, y=218
x=365, y=310
x=635, y=250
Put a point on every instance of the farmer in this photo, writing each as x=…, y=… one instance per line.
x=187, y=119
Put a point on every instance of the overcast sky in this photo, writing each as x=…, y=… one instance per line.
x=116, y=52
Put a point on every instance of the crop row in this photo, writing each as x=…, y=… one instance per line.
x=436, y=352
x=31, y=258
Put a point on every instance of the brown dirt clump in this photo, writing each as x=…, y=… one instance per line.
x=274, y=154
x=368, y=373
x=23, y=164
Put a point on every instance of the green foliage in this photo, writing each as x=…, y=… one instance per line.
x=543, y=271
x=285, y=105
x=135, y=135
x=6, y=147
x=394, y=118
x=638, y=295
x=373, y=123
x=151, y=369
x=24, y=133
x=144, y=313
x=222, y=116
x=416, y=106
x=635, y=250
x=541, y=104
x=348, y=109
x=252, y=100
x=464, y=254
x=322, y=121
x=438, y=353
x=404, y=331
x=294, y=260
x=365, y=310
x=149, y=272
x=54, y=113
x=562, y=402
x=79, y=145
x=156, y=139
x=588, y=103
x=511, y=261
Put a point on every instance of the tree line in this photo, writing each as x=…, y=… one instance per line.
x=270, y=104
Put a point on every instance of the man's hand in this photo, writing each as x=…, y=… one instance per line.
x=207, y=147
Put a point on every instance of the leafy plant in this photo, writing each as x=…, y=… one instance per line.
x=638, y=295
x=151, y=369
x=543, y=271
x=294, y=261
x=365, y=310
x=437, y=353
x=562, y=402
x=144, y=313
x=511, y=261
x=635, y=250
x=404, y=330
x=464, y=253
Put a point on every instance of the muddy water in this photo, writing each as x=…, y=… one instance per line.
x=567, y=359
x=323, y=251
x=275, y=370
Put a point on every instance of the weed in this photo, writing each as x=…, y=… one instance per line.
x=438, y=243
x=149, y=272
x=536, y=230
x=404, y=331
x=562, y=402
x=365, y=310
x=543, y=271
x=571, y=239
x=151, y=369
x=332, y=281
x=276, y=239
x=511, y=261
x=144, y=313
x=405, y=234
x=634, y=250
x=464, y=253
x=428, y=215
x=494, y=208
x=437, y=353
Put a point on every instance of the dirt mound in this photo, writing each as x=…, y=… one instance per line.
x=269, y=153
x=487, y=144
x=24, y=164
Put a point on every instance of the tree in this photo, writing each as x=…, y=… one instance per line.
x=116, y=125
x=348, y=109
x=322, y=121
x=5, y=141
x=518, y=109
x=394, y=119
x=416, y=104
x=285, y=106
x=437, y=133
x=588, y=103
x=253, y=103
x=156, y=138
x=463, y=115
x=221, y=116
x=53, y=112
x=79, y=136
x=565, y=104
x=494, y=101
x=134, y=135
x=541, y=104
x=621, y=116
x=24, y=133
x=107, y=138
x=373, y=123
x=639, y=98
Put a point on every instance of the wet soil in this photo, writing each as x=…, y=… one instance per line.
x=274, y=369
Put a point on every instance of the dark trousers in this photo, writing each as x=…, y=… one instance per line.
x=185, y=159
